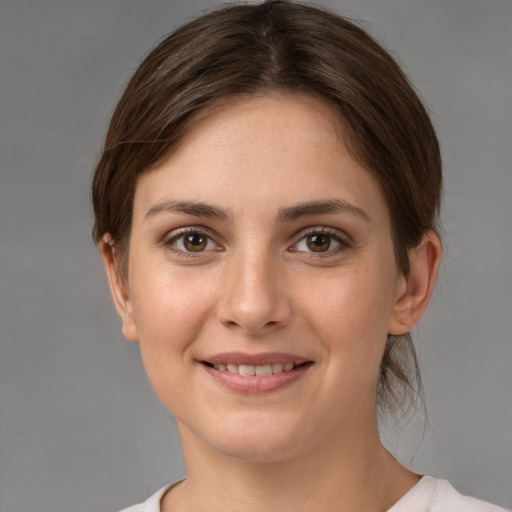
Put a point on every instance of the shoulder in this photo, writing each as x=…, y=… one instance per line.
x=152, y=504
x=435, y=495
x=447, y=499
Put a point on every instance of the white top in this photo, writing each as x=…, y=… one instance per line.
x=428, y=495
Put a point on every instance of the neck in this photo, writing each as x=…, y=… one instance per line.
x=359, y=475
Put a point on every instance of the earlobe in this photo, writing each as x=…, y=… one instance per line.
x=118, y=289
x=414, y=291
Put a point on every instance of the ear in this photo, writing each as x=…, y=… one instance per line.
x=413, y=292
x=119, y=290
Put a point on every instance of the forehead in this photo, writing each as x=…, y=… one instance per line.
x=284, y=148
x=299, y=118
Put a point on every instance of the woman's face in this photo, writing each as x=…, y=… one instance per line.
x=260, y=245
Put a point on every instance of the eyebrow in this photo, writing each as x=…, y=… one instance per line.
x=291, y=213
x=321, y=207
x=188, y=208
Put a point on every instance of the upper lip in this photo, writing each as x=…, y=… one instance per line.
x=254, y=359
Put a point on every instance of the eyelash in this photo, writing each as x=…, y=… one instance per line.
x=175, y=236
x=333, y=234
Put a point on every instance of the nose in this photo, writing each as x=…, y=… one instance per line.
x=254, y=295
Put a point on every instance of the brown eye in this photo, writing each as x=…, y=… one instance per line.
x=195, y=242
x=318, y=242
x=191, y=243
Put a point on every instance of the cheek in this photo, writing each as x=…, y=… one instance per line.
x=350, y=315
x=356, y=300
x=169, y=312
x=169, y=319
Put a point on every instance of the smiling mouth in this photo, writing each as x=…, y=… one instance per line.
x=253, y=374
x=264, y=370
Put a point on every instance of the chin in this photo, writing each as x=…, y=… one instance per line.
x=255, y=436
x=259, y=450
x=258, y=440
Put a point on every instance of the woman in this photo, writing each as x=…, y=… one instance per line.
x=266, y=209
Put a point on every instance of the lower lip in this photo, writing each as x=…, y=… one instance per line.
x=252, y=384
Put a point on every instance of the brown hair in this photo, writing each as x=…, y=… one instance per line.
x=247, y=49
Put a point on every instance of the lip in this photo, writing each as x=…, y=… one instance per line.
x=254, y=359
x=253, y=384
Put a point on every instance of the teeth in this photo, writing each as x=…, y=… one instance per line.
x=277, y=367
x=263, y=370
x=246, y=369
x=232, y=368
x=259, y=370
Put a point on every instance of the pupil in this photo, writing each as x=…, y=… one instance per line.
x=319, y=243
x=195, y=242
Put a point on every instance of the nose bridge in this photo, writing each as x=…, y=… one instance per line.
x=253, y=297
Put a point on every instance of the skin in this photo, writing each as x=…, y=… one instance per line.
x=257, y=287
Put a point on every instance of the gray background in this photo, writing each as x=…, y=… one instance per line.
x=80, y=429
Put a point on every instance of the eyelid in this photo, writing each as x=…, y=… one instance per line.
x=342, y=238
x=173, y=235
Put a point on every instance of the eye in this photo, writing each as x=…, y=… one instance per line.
x=191, y=241
x=320, y=240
